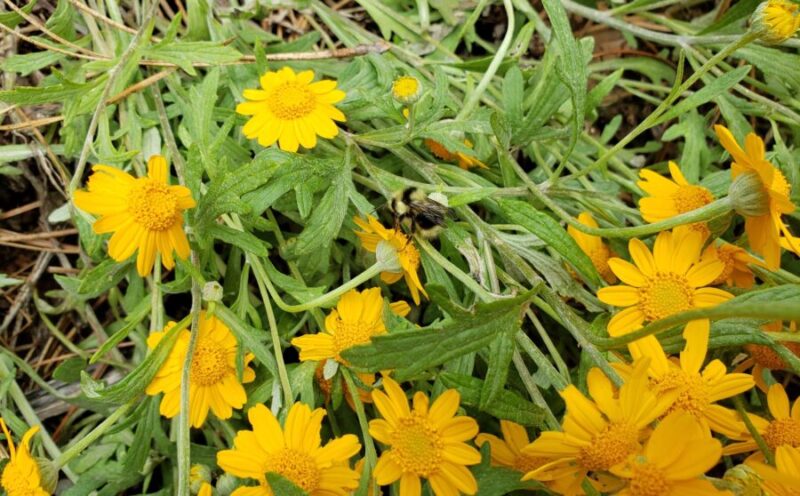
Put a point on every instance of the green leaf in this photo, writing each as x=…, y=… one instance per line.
x=101, y=278
x=498, y=481
x=739, y=10
x=572, y=67
x=134, y=383
x=467, y=331
x=710, y=91
x=252, y=339
x=33, y=95
x=131, y=321
x=283, y=486
x=70, y=370
x=550, y=231
x=139, y=450
x=6, y=281
x=500, y=354
x=326, y=219
x=243, y=239
x=12, y=19
x=185, y=53
x=508, y=406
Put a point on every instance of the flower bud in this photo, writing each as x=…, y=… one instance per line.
x=775, y=21
x=198, y=475
x=406, y=89
x=48, y=473
x=212, y=292
x=748, y=195
x=386, y=254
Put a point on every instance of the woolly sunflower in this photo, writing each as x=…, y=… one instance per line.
x=295, y=452
x=783, y=430
x=594, y=247
x=677, y=455
x=407, y=254
x=465, y=161
x=698, y=390
x=291, y=110
x=597, y=435
x=358, y=317
x=406, y=89
x=21, y=475
x=669, y=198
x=669, y=280
x=737, y=272
x=426, y=442
x=776, y=20
x=145, y=214
x=784, y=478
x=764, y=229
x=213, y=383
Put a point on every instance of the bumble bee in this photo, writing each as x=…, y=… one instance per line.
x=418, y=212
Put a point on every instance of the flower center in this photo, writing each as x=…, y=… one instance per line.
x=726, y=256
x=349, y=334
x=665, y=294
x=694, y=396
x=292, y=100
x=417, y=446
x=783, y=432
x=153, y=205
x=297, y=466
x=599, y=258
x=690, y=197
x=779, y=182
x=438, y=150
x=648, y=480
x=527, y=463
x=410, y=254
x=18, y=482
x=764, y=355
x=209, y=363
x=609, y=447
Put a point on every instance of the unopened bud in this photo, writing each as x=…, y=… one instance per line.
x=406, y=89
x=198, y=475
x=748, y=195
x=212, y=292
x=775, y=21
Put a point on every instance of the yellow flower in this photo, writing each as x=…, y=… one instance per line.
x=736, y=272
x=465, y=161
x=784, y=478
x=763, y=230
x=294, y=451
x=698, y=391
x=21, y=476
x=205, y=490
x=407, y=254
x=776, y=20
x=677, y=455
x=763, y=357
x=597, y=251
x=406, y=89
x=783, y=430
x=426, y=442
x=598, y=435
x=291, y=110
x=667, y=281
x=358, y=317
x=669, y=198
x=212, y=382
x=145, y=213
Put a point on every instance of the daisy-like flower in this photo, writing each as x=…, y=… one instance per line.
x=291, y=110
x=406, y=89
x=594, y=247
x=763, y=357
x=677, y=455
x=669, y=198
x=426, y=442
x=783, y=430
x=465, y=161
x=597, y=435
x=213, y=383
x=373, y=233
x=21, y=475
x=784, y=478
x=294, y=451
x=776, y=20
x=737, y=272
x=358, y=317
x=669, y=280
x=698, y=390
x=145, y=214
x=765, y=227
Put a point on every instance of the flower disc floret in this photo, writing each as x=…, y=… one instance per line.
x=610, y=447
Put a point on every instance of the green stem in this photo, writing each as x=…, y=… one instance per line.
x=468, y=281
x=369, y=444
x=762, y=445
x=533, y=391
x=653, y=117
x=475, y=96
x=77, y=448
x=184, y=427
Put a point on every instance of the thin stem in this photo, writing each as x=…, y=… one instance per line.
x=77, y=448
x=468, y=281
x=369, y=445
x=762, y=445
x=533, y=391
